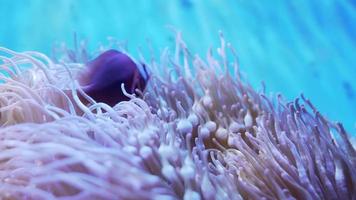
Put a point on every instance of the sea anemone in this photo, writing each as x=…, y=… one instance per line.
x=197, y=131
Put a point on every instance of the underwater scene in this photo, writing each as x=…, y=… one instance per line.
x=177, y=99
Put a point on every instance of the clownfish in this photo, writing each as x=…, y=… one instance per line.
x=104, y=75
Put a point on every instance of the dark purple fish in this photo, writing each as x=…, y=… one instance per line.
x=102, y=81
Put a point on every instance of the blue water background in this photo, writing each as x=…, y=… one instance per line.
x=299, y=46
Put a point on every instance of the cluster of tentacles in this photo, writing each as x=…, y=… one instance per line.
x=196, y=132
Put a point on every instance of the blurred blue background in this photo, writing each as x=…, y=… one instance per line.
x=299, y=46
